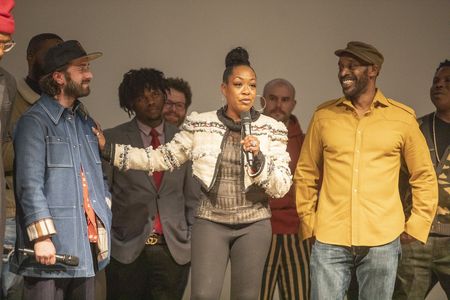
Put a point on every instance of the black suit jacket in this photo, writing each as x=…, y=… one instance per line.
x=135, y=202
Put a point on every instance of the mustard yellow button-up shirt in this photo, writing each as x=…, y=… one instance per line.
x=360, y=158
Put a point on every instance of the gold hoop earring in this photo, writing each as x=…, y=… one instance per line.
x=263, y=106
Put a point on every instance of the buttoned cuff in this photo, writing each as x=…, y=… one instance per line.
x=307, y=226
x=418, y=227
x=40, y=229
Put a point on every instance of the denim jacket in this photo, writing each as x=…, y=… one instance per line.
x=51, y=145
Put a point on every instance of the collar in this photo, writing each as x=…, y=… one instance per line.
x=145, y=129
x=379, y=100
x=229, y=123
x=54, y=110
x=293, y=127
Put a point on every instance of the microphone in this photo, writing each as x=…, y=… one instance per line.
x=246, y=122
x=65, y=259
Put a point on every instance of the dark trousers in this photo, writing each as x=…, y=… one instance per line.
x=58, y=288
x=153, y=275
x=422, y=266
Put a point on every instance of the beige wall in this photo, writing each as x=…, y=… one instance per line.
x=291, y=38
x=294, y=39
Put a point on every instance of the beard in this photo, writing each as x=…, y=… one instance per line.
x=76, y=90
x=173, y=118
x=360, y=86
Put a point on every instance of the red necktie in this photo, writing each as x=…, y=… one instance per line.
x=157, y=177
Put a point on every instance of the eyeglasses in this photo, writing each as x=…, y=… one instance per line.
x=7, y=46
x=83, y=68
x=177, y=105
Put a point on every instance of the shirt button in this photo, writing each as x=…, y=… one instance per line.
x=355, y=190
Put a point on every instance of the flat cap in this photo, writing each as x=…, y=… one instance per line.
x=365, y=52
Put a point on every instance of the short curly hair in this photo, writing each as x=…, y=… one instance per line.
x=444, y=64
x=135, y=82
x=183, y=87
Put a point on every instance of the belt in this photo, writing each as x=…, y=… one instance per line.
x=155, y=239
x=440, y=228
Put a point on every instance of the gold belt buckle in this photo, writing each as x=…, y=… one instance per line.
x=152, y=240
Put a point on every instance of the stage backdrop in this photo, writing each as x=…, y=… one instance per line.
x=293, y=39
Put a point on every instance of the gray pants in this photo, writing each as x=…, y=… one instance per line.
x=246, y=245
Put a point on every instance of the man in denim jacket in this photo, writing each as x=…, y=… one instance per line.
x=60, y=189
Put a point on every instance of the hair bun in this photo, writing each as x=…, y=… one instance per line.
x=237, y=56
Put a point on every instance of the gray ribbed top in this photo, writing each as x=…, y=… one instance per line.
x=227, y=202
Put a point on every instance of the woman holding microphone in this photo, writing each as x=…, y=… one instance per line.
x=233, y=216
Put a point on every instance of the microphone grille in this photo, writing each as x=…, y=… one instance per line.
x=72, y=260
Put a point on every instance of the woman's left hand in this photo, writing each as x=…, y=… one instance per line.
x=251, y=144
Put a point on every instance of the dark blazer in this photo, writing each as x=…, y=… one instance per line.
x=135, y=201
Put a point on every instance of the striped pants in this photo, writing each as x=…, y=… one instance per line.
x=288, y=265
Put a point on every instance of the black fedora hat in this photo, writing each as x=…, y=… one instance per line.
x=65, y=53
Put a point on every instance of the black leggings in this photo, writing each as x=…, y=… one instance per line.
x=246, y=246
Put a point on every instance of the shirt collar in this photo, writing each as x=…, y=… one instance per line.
x=54, y=110
x=379, y=100
x=145, y=129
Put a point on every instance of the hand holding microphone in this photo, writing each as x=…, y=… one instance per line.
x=250, y=143
x=44, y=253
x=65, y=259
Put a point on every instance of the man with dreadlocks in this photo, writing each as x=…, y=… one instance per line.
x=152, y=215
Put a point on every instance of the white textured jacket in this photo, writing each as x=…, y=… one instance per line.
x=201, y=139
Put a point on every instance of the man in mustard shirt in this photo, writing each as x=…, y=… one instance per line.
x=357, y=144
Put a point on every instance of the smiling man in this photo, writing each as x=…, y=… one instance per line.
x=61, y=195
x=179, y=98
x=357, y=143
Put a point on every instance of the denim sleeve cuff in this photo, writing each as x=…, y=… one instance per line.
x=40, y=229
